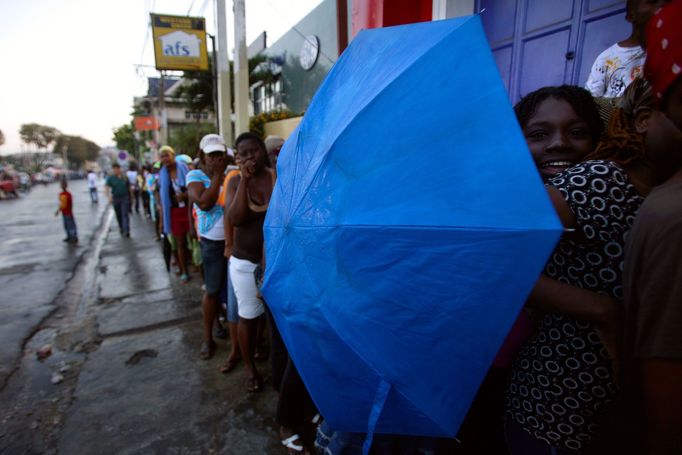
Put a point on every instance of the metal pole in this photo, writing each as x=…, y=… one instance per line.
x=223, y=68
x=162, y=109
x=342, y=25
x=241, y=68
x=214, y=75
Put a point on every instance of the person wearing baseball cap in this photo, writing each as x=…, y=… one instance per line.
x=204, y=186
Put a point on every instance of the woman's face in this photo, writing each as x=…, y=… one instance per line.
x=557, y=137
x=250, y=150
x=166, y=159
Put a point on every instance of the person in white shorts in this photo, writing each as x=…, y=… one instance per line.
x=249, y=195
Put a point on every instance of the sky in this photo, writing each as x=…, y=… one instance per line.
x=75, y=64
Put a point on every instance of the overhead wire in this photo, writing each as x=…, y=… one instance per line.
x=203, y=7
x=190, y=7
x=293, y=27
x=146, y=37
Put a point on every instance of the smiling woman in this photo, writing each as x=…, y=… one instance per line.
x=561, y=125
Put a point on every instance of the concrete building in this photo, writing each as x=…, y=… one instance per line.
x=535, y=42
x=177, y=115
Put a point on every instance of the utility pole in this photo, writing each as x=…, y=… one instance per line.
x=163, y=139
x=223, y=64
x=241, y=69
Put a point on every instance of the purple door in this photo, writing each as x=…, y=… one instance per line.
x=550, y=42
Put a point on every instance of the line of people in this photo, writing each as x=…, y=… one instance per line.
x=592, y=365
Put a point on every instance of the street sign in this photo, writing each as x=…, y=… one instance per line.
x=146, y=123
x=179, y=42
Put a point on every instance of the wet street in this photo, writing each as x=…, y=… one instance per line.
x=124, y=374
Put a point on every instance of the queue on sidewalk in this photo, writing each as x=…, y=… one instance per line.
x=593, y=363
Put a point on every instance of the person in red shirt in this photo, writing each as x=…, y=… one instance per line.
x=66, y=207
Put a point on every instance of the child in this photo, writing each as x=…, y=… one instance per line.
x=66, y=207
x=616, y=67
x=653, y=265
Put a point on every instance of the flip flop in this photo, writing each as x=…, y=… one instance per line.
x=289, y=443
x=207, y=350
x=229, y=366
x=255, y=385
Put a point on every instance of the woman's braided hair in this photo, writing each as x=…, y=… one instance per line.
x=580, y=100
x=622, y=143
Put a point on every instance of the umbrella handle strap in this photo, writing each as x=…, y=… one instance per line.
x=379, y=400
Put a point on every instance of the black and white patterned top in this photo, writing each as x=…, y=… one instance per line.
x=561, y=381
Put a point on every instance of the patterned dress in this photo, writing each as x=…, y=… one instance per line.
x=561, y=382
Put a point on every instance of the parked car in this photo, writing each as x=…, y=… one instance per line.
x=7, y=188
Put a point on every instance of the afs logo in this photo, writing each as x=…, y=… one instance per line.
x=180, y=44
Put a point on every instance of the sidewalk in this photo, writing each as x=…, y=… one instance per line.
x=139, y=386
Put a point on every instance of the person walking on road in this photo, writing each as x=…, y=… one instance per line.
x=134, y=188
x=92, y=186
x=118, y=193
x=66, y=207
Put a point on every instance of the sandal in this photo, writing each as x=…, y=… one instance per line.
x=289, y=444
x=229, y=366
x=207, y=350
x=255, y=385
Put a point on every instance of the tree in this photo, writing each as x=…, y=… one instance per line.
x=186, y=139
x=77, y=149
x=39, y=135
x=124, y=136
x=196, y=91
x=2, y=138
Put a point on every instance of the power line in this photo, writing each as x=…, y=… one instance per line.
x=203, y=7
x=146, y=34
x=190, y=7
x=297, y=30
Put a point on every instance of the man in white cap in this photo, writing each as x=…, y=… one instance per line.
x=204, y=186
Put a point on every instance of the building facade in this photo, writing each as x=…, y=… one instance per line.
x=176, y=115
x=535, y=42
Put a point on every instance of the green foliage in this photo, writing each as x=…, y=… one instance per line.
x=260, y=70
x=257, y=122
x=39, y=135
x=77, y=149
x=196, y=91
x=2, y=138
x=124, y=137
x=186, y=139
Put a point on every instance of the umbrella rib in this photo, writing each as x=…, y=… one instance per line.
x=363, y=108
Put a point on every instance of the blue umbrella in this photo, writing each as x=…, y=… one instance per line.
x=406, y=229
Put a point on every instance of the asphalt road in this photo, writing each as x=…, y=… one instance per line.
x=34, y=262
x=124, y=375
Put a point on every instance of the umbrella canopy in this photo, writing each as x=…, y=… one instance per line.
x=406, y=229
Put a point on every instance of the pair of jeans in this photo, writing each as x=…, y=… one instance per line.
x=93, y=195
x=121, y=207
x=70, y=226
